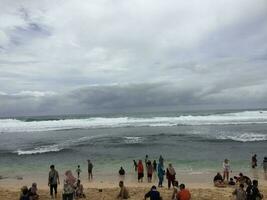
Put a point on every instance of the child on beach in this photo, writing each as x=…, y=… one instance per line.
x=78, y=171
x=24, y=193
x=140, y=170
x=124, y=193
x=33, y=192
x=183, y=194
x=218, y=180
x=226, y=169
x=79, y=190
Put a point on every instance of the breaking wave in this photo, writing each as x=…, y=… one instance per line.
x=246, y=117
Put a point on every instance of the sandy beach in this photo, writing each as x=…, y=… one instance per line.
x=200, y=188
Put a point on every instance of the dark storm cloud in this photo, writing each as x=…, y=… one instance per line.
x=120, y=55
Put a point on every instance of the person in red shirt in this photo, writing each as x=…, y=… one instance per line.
x=140, y=170
x=183, y=194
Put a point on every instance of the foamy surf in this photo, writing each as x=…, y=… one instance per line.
x=246, y=117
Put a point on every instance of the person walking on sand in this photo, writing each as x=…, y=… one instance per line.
x=161, y=174
x=254, y=161
x=170, y=175
x=155, y=165
x=149, y=171
x=69, y=186
x=183, y=194
x=53, y=180
x=140, y=170
x=90, y=170
x=226, y=169
x=124, y=193
x=78, y=171
x=146, y=160
x=240, y=193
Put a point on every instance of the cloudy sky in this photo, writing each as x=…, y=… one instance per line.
x=76, y=56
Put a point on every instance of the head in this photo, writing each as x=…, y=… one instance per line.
x=218, y=174
x=182, y=186
x=78, y=166
x=78, y=182
x=176, y=184
x=24, y=190
x=121, y=183
x=255, y=155
x=255, y=183
x=170, y=165
x=121, y=167
x=265, y=158
x=241, y=174
x=34, y=185
x=153, y=187
x=146, y=156
x=231, y=179
x=52, y=167
x=226, y=160
x=88, y=161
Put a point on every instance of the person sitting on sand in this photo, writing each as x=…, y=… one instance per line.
x=240, y=193
x=153, y=194
x=218, y=180
x=124, y=193
x=33, y=192
x=69, y=186
x=149, y=171
x=161, y=174
x=183, y=194
x=175, y=190
x=231, y=182
x=226, y=169
x=24, y=193
x=140, y=170
x=170, y=175
x=79, y=190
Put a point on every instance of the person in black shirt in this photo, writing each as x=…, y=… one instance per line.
x=153, y=194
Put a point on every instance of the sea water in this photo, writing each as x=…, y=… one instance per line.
x=194, y=142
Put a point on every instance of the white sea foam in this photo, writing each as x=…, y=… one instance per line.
x=246, y=117
x=245, y=137
x=133, y=140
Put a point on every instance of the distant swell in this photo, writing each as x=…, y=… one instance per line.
x=246, y=137
x=246, y=117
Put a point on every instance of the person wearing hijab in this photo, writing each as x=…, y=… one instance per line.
x=69, y=186
x=170, y=175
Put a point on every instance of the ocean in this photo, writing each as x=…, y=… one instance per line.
x=195, y=142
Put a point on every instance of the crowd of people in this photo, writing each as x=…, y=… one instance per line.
x=247, y=189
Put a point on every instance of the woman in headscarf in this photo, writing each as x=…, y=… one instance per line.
x=161, y=174
x=170, y=175
x=140, y=170
x=69, y=186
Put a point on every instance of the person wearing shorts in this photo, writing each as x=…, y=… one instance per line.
x=53, y=180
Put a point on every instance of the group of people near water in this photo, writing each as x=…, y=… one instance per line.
x=72, y=187
x=247, y=188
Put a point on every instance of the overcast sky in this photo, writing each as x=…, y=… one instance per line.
x=76, y=56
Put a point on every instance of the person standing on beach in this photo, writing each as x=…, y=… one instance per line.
x=254, y=161
x=170, y=175
x=90, y=170
x=140, y=170
x=135, y=165
x=146, y=160
x=155, y=165
x=53, y=180
x=122, y=173
x=78, y=171
x=149, y=171
x=226, y=169
x=161, y=174
x=264, y=165
x=161, y=161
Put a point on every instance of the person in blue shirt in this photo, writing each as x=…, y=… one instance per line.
x=153, y=194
